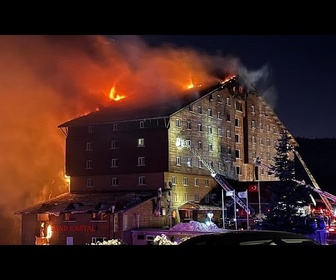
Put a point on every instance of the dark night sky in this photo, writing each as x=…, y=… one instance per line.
x=302, y=70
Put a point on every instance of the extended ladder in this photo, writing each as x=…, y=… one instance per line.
x=223, y=183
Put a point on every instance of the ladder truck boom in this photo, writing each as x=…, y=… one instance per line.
x=222, y=182
x=324, y=196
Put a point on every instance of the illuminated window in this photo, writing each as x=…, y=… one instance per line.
x=141, y=161
x=88, y=164
x=189, y=162
x=114, y=182
x=141, y=142
x=114, y=144
x=67, y=216
x=88, y=146
x=178, y=161
x=114, y=162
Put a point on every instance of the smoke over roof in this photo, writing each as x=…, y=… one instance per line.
x=47, y=80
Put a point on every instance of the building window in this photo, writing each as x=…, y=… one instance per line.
x=237, y=153
x=114, y=144
x=199, y=110
x=253, y=109
x=200, y=145
x=115, y=126
x=268, y=142
x=191, y=108
x=68, y=217
x=200, y=127
x=210, y=97
x=253, y=124
x=189, y=125
x=210, y=147
x=220, y=132
x=228, y=117
x=239, y=106
x=261, y=141
x=206, y=182
x=197, y=197
x=185, y=181
x=209, y=112
x=89, y=183
x=200, y=164
x=174, y=182
x=141, y=161
x=254, y=140
x=114, y=182
x=178, y=123
x=189, y=162
x=141, y=181
x=88, y=164
x=98, y=216
x=178, y=161
x=88, y=146
x=261, y=126
x=90, y=129
x=268, y=127
x=185, y=196
x=175, y=197
x=142, y=124
x=238, y=170
x=228, y=101
x=114, y=162
x=219, y=115
x=219, y=98
x=237, y=138
x=237, y=123
x=220, y=166
x=228, y=133
x=210, y=129
x=211, y=164
x=141, y=142
x=188, y=143
x=196, y=182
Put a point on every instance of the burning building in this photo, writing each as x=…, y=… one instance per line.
x=154, y=166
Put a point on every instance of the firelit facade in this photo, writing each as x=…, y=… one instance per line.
x=173, y=148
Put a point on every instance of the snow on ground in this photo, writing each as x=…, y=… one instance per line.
x=196, y=226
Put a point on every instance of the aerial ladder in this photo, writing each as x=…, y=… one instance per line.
x=220, y=180
x=316, y=188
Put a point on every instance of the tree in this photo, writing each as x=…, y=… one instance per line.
x=288, y=198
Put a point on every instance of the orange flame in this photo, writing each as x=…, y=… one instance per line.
x=115, y=96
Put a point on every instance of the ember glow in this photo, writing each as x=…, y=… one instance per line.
x=48, y=80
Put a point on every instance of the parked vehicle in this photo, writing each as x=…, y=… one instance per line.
x=250, y=237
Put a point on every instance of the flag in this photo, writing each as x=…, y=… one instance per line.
x=242, y=194
x=253, y=188
x=229, y=193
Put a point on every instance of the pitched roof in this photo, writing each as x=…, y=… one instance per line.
x=87, y=203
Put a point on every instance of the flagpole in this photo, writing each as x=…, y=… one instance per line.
x=235, y=211
x=248, y=211
x=223, y=211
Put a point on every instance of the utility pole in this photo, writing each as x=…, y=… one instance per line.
x=257, y=164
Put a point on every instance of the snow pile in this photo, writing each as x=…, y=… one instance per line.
x=196, y=226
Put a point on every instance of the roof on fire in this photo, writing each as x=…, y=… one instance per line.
x=144, y=111
x=87, y=203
